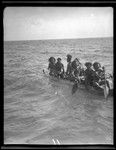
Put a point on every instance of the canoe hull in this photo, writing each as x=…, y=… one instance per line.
x=97, y=90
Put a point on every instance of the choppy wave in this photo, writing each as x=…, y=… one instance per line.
x=38, y=110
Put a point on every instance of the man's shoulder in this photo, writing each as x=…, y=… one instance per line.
x=56, y=64
x=101, y=70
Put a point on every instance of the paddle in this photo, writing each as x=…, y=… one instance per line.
x=106, y=88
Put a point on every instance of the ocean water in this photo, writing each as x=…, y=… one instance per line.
x=40, y=111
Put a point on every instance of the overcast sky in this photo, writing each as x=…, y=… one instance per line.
x=33, y=23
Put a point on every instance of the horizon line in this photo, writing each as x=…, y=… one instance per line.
x=57, y=39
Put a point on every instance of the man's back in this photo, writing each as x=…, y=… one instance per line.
x=59, y=66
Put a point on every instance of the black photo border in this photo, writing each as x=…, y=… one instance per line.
x=43, y=3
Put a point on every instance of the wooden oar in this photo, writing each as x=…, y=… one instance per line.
x=106, y=88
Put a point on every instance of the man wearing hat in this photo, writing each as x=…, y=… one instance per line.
x=69, y=68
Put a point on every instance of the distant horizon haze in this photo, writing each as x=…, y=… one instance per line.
x=58, y=39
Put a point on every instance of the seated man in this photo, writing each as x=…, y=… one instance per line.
x=69, y=67
x=98, y=75
x=88, y=75
x=68, y=71
x=51, y=66
x=76, y=68
x=59, y=67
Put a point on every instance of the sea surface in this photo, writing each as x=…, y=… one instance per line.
x=40, y=111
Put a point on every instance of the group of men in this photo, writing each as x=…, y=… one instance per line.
x=93, y=75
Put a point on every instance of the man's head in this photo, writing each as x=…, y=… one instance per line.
x=69, y=57
x=52, y=60
x=96, y=65
x=59, y=59
x=88, y=64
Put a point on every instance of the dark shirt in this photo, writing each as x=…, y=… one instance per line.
x=59, y=67
x=51, y=66
x=89, y=75
x=88, y=72
x=68, y=71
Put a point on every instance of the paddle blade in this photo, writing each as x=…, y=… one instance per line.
x=106, y=91
x=74, y=88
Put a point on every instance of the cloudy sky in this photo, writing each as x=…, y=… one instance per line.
x=33, y=23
